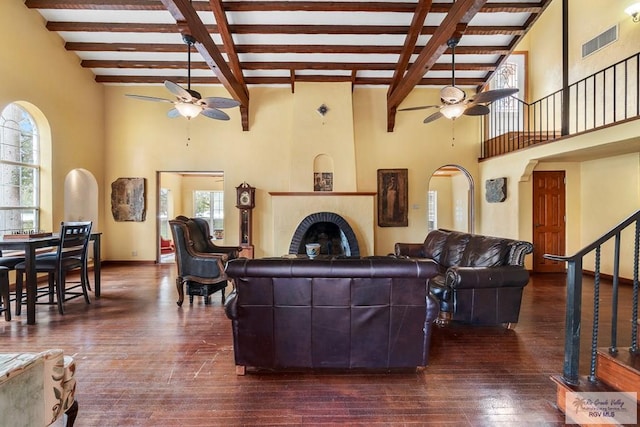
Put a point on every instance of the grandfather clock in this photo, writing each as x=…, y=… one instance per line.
x=245, y=201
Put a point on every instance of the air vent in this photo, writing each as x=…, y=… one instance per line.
x=601, y=40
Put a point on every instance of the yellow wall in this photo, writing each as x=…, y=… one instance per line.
x=413, y=145
x=36, y=70
x=586, y=20
x=599, y=192
x=142, y=140
x=599, y=179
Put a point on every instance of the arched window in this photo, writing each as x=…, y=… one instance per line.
x=19, y=171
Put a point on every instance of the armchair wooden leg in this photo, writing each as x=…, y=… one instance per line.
x=180, y=287
x=443, y=319
x=241, y=370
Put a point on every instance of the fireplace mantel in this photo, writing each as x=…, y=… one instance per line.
x=322, y=193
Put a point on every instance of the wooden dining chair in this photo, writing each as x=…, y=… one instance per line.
x=4, y=293
x=70, y=255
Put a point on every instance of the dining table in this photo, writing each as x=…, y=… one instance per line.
x=30, y=245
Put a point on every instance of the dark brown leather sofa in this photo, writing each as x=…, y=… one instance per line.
x=331, y=313
x=480, y=279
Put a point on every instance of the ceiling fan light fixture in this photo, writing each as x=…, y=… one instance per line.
x=452, y=94
x=188, y=109
x=453, y=111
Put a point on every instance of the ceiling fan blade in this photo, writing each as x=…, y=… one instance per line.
x=148, y=98
x=173, y=113
x=178, y=90
x=493, y=95
x=422, y=107
x=215, y=102
x=433, y=117
x=214, y=113
x=476, y=110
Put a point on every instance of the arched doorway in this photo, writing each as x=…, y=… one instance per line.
x=451, y=198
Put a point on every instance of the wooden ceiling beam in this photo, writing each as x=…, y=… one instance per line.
x=459, y=15
x=183, y=12
x=119, y=27
x=278, y=6
x=417, y=23
x=232, y=55
x=263, y=48
x=281, y=80
x=285, y=65
x=227, y=40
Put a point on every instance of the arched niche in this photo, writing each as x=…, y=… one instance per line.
x=323, y=173
x=81, y=197
x=455, y=195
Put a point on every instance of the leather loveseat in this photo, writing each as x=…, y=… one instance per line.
x=331, y=313
x=480, y=279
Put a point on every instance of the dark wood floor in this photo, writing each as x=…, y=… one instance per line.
x=143, y=361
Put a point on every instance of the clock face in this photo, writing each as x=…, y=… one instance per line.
x=245, y=199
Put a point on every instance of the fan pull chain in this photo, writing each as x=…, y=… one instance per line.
x=453, y=132
x=188, y=131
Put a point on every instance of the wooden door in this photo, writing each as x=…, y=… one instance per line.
x=548, y=220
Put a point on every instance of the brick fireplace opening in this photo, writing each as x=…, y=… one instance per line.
x=333, y=232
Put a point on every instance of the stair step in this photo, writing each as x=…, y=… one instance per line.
x=584, y=386
x=621, y=371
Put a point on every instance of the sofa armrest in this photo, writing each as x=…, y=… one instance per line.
x=412, y=250
x=433, y=309
x=486, y=277
x=232, y=252
x=231, y=305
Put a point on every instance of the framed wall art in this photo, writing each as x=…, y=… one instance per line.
x=323, y=181
x=393, y=199
x=128, y=199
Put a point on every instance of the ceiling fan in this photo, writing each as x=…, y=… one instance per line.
x=189, y=103
x=454, y=100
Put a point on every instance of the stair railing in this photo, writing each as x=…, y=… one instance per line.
x=609, y=96
x=574, y=299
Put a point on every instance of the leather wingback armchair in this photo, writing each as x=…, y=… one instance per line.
x=201, y=235
x=202, y=271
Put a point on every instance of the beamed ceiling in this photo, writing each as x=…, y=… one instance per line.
x=398, y=44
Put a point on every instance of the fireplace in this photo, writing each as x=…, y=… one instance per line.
x=330, y=230
x=354, y=215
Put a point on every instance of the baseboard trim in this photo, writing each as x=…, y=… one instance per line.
x=127, y=262
x=609, y=277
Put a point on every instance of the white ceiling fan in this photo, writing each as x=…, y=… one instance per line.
x=454, y=100
x=189, y=103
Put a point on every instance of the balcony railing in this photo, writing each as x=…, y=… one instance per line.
x=575, y=266
x=607, y=97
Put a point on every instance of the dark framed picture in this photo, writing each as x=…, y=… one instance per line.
x=323, y=181
x=393, y=198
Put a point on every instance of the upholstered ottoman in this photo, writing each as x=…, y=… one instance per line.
x=37, y=388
